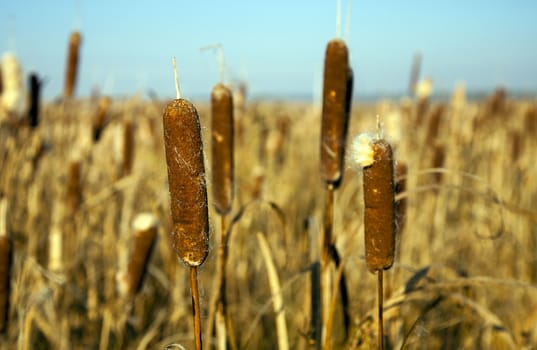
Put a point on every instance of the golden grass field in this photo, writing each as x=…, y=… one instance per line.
x=466, y=266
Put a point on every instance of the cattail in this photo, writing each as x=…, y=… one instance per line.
x=35, y=90
x=128, y=148
x=145, y=231
x=336, y=106
x=99, y=118
x=222, y=147
x=72, y=64
x=73, y=187
x=375, y=156
x=186, y=177
x=439, y=156
x=401, y=171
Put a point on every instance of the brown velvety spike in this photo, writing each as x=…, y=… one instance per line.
x=186, y=177
x=222, y=148
x=335, y=111
x=379, y=215
x=72, y=64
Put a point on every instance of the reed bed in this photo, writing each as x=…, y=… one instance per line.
x=464, y=274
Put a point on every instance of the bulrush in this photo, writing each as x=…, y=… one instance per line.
x=188, y=192
x=99, y=119
x=337, y=101
x=186, y=177
x=336, y=107
x=222, y=148
x=376, y=159
x=379, y=214
x=35, y=92
x=145, y=232
x=72, y=64
x=128, y=148
x=74, y=191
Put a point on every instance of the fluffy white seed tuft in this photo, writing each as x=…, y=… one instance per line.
x=361, y=152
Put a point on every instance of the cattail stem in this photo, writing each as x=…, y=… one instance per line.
x=328, y=223
x=325, y=261
x=195, y=306
x=380, y=292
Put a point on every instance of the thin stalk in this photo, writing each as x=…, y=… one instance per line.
x=325, y=261
x=380, y=309
x=195, y=306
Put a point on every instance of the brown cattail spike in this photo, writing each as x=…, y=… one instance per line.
x=5, y=267
x=128, y=148
x=222, y=147
x=35, y=90
x=401, y=171
x=379, y=216
x=100, y=117
x=72, y=64
x=74, y=196
x=145, y=231
x=334, y=114
x=186, y=177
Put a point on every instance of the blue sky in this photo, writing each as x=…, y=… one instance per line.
x=277, y=46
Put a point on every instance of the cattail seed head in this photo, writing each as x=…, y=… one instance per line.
x=336, y=108
x=128, y=148
x=35, y=90
x=100, y=117
x=439, y=156
x=145, y=231
x=379, y=203
x=74, y=196
x=222, y=148
x=186, y=177
x=401, y=171
x=72, y=64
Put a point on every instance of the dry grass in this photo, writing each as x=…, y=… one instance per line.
x=465, y=277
